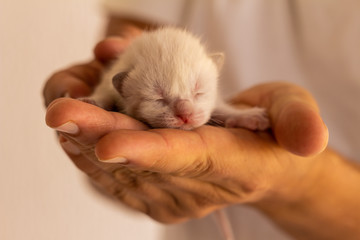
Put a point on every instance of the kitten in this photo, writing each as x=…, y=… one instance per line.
x=166, y=79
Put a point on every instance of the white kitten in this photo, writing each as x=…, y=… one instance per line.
x=166, y=79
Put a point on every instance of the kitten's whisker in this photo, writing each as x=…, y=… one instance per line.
x=216, y=122
x=218, y=114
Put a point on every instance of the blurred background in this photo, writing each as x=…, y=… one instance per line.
x=42, y=195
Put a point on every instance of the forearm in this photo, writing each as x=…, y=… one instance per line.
x=325, y=205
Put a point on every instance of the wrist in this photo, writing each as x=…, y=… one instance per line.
x=299, y=177
x=324, y=195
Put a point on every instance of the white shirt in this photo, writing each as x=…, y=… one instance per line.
x=314, y=44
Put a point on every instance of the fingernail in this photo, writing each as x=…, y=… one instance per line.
x=115, y=160
x=70, y=148
x=68, y=127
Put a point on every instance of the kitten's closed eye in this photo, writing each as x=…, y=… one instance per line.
x=198, y=95
x=197, y=91
x=160, y=96
x=162, y=101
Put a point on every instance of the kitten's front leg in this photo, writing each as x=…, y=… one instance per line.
x=254, y=118
x=105, y=97
x=88, y=100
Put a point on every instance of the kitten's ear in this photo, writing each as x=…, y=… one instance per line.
x=218, y=59
x=118, y=81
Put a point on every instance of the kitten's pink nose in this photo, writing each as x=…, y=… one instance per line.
x=183, y=109
x=185, y=119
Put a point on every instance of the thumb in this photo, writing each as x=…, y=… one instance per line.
x=296, y=121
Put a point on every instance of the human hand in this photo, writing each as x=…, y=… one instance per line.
x=80, y=80
x=195, y=172
x=174, y=175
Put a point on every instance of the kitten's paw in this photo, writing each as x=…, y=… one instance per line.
x=253, y=119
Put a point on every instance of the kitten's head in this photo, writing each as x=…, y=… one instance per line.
x=169, y=87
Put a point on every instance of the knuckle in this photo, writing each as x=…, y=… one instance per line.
x=103, y=181
x=254, y=189
x=123, y=195
x=201, y=202
x=165, y=217
x=126, y=177
x=198, y=169
x=189, y=207
x=118, y=192
x=50, y=90
x=154, y=177
x=245, y=191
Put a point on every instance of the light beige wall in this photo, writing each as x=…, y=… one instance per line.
x=42, y=195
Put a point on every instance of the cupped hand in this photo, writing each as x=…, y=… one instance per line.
x=174, y=175
x=80, y=80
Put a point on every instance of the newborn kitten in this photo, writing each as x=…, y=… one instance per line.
x=166, y=79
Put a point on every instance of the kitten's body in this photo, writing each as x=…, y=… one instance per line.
x=167, y=79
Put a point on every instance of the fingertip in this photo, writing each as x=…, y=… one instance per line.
x=139, y=148
x=91, y=121
x=55, y=112
x=64, y=110
x=301, y=130
x=110, y=48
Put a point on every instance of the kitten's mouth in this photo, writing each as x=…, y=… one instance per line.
x=191, y=122
x=178, y=122
x=187, y=127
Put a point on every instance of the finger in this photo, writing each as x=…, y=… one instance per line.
x=296, y=121
x=105, y=181
x=134, y=189
x=105, y=178
x=151, y=149
x=202, y=194
x=86, y=123
x=197, y=153
x=162, y=205
x=132, y=201
x=186, y=155
x=110, y=48
x=90, y=168
x=63, y=84
x=76, y=81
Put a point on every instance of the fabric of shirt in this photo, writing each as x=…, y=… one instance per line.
x=314, y=44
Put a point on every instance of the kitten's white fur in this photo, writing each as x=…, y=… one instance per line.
x=167, y=79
